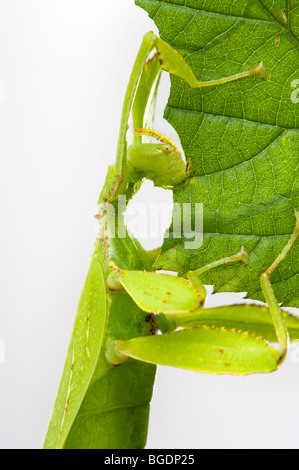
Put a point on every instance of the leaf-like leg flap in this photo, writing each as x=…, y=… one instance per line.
x=277, y=316
x=254, y=319
x=161, y=293
x=208, y=350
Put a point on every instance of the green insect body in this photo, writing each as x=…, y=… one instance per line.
x=107, y=383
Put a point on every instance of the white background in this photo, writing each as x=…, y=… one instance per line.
x=64, y=66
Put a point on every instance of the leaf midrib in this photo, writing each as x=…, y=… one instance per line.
x=234, y=167
x=277, y=23
x=212, y=13
x=192, y=111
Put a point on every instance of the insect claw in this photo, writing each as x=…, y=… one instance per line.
x=259, y=70
x=244, y=255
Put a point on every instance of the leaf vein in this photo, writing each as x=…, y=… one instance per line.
x=211, y=13
x=230, y=118
x=234, y=167
x=275, y=21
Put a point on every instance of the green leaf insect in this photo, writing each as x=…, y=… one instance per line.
x=131, y=318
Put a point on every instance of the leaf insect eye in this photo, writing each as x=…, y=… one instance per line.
x=167, y=148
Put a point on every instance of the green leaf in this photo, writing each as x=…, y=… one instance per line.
x=82, y=356
x=242, y=137
x=210, y=350
x=158, y=293
x=253, y=319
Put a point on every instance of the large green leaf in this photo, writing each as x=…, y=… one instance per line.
x=242, y=137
